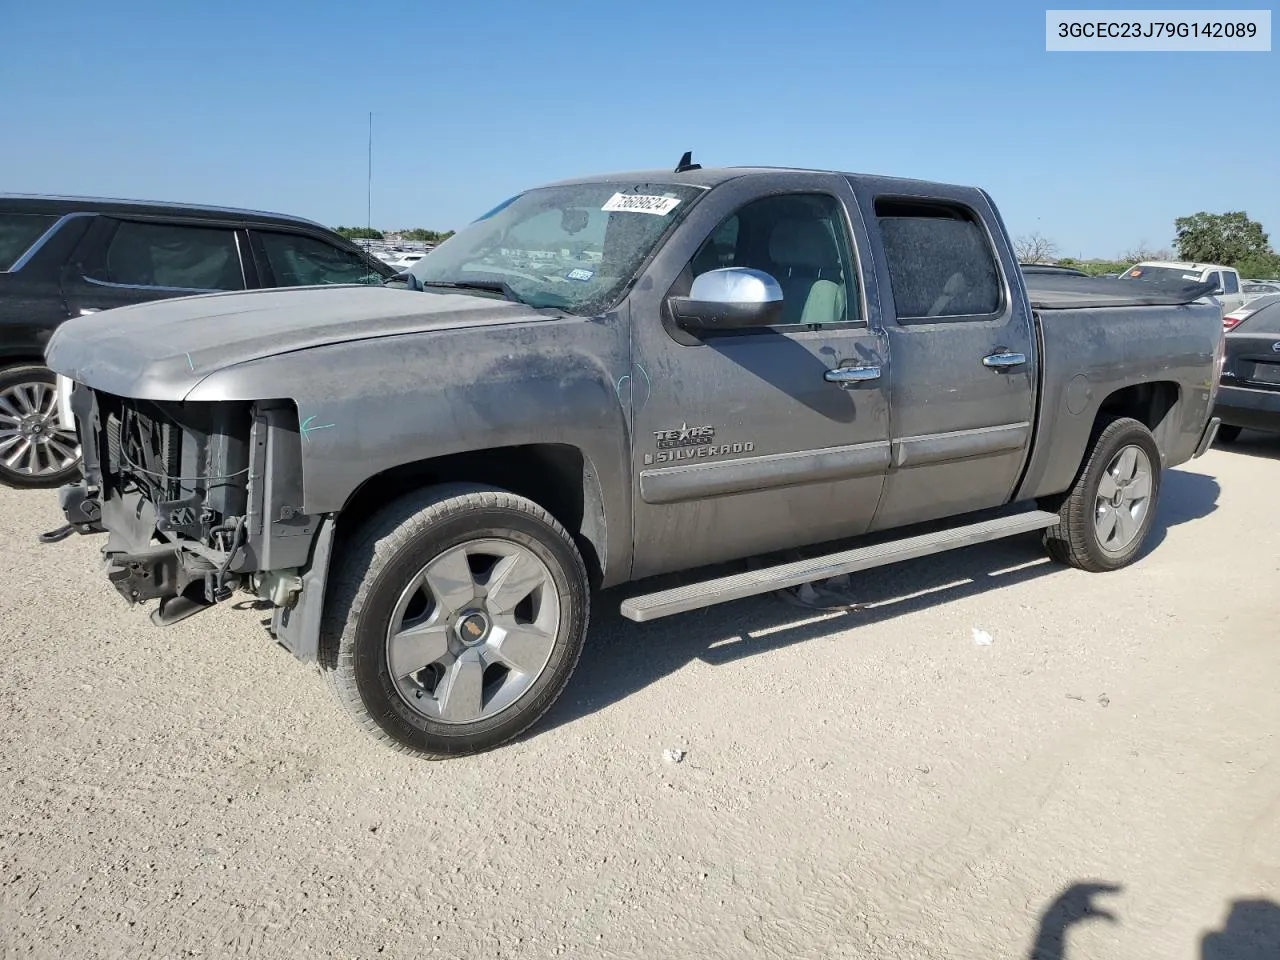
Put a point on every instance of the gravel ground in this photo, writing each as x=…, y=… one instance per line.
x=875, y=784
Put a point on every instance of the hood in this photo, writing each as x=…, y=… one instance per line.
x=162, y=350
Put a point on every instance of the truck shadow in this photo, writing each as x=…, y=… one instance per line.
x=1251, y=930
x=622, y=657
x=1254, y=444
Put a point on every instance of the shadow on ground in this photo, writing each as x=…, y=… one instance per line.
x=1251, y=930
x=622, y=657
x=1251, y=443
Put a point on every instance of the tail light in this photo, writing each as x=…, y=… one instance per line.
x=1231, y=321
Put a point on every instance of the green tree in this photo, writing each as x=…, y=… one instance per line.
x=427, y=236
x=1265, y=266
x=359, y=233
x=1225, y=238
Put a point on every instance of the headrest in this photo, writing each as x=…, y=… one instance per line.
x=803, y=243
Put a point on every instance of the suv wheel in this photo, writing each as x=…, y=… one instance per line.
x=1106, y=515
x=34, y=452
x=454, y=620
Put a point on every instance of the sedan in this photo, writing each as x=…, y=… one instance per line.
x=1249, y=395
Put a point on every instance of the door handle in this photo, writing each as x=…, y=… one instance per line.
x=1001, y=360
x=852, y=374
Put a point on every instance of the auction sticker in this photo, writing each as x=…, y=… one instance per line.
x=640, y=203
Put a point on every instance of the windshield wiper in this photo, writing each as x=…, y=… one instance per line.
x=497, y=286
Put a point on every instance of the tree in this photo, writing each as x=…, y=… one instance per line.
x=1034, y=248
x=1263, y=266
x=1225, y=238
x=427, y=236
x=359, y=233
x=1142, y=253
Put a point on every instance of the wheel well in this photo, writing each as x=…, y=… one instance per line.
x=1152, y=404
x=555, y=476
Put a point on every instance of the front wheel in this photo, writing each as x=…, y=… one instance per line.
x=34, y=452
x=454, y=620
x=1106, y=515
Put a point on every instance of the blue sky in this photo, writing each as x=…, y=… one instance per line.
x=266, y=104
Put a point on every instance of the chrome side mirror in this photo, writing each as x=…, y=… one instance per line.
x=727, y=299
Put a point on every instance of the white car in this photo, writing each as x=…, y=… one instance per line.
x=407, y=261
x=1227, y=279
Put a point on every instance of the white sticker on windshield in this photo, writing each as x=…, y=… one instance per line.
x=1191, y=276
x=640, y=203
x=580, y=274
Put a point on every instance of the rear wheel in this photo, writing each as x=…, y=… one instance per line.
x=1106, y=515
x=34, y=452
x=1228, y=433
x=454, y=620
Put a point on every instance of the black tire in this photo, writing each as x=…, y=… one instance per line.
x=1074, y=539
x=375, y=567
x=1228, y=433
x=32, y=376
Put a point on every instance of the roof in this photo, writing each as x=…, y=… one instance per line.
x=713, y=176
x=56, y=204
x=1182, y=265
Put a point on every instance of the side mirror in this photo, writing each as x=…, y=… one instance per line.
x=730, y=298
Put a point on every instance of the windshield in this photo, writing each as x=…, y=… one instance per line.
x=1164, y=274
x=574, y=246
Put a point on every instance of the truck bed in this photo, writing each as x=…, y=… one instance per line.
x=1065, y=292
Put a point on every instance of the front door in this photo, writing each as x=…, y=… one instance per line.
x=741, y=443
x=964, y=360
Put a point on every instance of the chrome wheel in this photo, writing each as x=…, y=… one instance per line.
x=31, y=444
x=1124, y=495
x=473, y=630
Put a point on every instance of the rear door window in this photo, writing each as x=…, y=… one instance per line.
x=300, y=261
x=173, y=256
x=941, y=265
x=18, y=231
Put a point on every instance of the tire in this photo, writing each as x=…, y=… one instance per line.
x=469, y=695
x=40, y=453
x=1228, y=433
x=1080, y=538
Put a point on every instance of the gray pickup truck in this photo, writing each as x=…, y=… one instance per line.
x=610, y=378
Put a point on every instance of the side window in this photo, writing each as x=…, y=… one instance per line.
x=1216, y=279
x=298, y=261
x=18, y=231
x=172, y=255
x=801, y=241
x=1231, y=282
x=941, y=265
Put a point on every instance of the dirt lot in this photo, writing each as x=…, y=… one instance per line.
x=856, y=785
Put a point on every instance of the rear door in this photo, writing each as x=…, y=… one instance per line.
x=964, y=354
x=125, y=261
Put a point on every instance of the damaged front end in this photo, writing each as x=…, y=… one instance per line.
x=198, y=500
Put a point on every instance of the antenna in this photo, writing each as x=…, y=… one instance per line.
x=369, y=183
x=686, y=163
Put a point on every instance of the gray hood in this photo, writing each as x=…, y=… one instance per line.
x=162, y=350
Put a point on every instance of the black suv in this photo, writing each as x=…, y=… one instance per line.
x=62, y=257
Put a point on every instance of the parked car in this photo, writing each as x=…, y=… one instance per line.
x=1051, y=268
x=1250, y=395
x=65, y=257
x=609, y=378
x=1253, y=289
x=1226, y=280
x=1236, y=316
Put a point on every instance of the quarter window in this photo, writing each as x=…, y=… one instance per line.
x=175, y=256
x=799, y=240
x=18, y=231
x=941, y=265
x=305, y=261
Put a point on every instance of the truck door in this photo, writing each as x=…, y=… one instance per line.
x=964, y=356
x=744, y=441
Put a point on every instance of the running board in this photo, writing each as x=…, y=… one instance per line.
x=694, y=596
